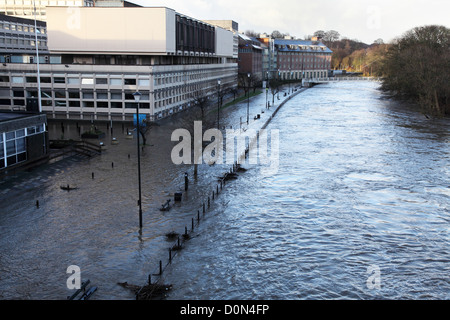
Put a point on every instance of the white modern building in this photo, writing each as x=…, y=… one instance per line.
x=25, y=8
x=98, y=57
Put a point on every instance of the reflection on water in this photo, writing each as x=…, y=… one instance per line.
x=362, y=181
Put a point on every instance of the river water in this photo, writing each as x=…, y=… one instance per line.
x=358, y=208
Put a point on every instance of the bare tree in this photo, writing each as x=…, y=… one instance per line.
x=417, y=66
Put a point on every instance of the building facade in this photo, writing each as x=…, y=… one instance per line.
x=25, y=8
x=94, y=67
x=250, y=57
x=18, y=40
x=298, y=59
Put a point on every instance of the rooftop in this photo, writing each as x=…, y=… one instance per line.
x=14, y=115
x=301, y=46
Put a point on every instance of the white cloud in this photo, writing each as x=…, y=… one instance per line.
x=355, y=19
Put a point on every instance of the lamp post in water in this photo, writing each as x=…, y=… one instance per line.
x=137, y=98
x=248, y=99
x=218, y=104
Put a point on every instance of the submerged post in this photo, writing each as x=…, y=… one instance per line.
x=137, y=98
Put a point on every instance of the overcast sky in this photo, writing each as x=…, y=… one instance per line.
x=365, y=20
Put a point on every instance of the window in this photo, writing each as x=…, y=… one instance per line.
x=101, y=81
x=18, y=94
x=46, y=80
x=129, y=82
x=59, y=80
x=74, y=104
x=144, y=83
x=59, y=94
x=88, y=81
x=117, y=105
x=102, y=96
x=15, y=148
x=73, y=81
x=129, y=96
x=88, y=95
x=116, y=96
x=116, y=82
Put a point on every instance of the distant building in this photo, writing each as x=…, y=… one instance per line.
x=250, y=57
x=23, y=139
x=298, y=59
x=94, y=67
x=229, y=25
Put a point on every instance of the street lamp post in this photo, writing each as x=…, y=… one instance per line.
x=267, y=87
x=248, y=99
x=37, y=59
x=137, y=98
x=218, y=104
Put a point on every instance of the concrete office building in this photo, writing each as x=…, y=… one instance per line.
x=101, y=56
x=17, y=40
x=25, y=8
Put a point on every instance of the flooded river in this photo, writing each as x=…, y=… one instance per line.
x=358, y=208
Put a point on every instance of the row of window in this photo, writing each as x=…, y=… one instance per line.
x=29, y=3
x=22, y=42
x=306, y=74
x=19, y=27
x=78, y=80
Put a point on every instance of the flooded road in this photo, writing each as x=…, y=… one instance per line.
x=358, y=209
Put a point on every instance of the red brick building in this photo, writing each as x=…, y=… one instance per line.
x=250, y=57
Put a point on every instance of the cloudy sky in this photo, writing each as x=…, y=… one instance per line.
x=365, y=20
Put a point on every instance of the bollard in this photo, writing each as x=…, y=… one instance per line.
x=185, y=231
x=217, y=190
x=160, y=267
x=179, y=242
x=209, y=203
x=92, y=175
x=149, y=279
x=203, y=207
x=37, y=204
x=112, y=164
x=198, y=216
x=213, y=195
x=128, y=156
x=192, y=224
x=186, y=182
x=170, y=255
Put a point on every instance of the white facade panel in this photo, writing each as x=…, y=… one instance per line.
x=111, y=30
x=224, y=42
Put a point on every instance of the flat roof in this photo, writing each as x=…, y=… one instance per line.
x=11, y=115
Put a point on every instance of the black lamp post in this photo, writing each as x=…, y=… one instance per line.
x=248, y=99
x=137, y=97
x=218, y=104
